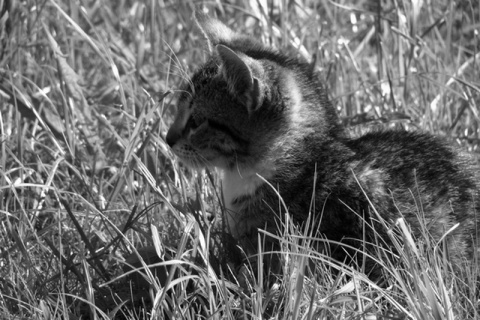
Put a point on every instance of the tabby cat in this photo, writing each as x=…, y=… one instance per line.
x=264, y=120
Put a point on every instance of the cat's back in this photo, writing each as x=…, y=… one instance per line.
x=422, y=178
x=415, y=155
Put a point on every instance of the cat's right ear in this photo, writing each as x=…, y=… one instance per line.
x=215, y=32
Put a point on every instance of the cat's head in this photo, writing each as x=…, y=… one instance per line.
x=246, y=105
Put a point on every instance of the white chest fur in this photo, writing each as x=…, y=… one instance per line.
x=236, y=185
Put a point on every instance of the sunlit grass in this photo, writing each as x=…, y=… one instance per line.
x=87, y=181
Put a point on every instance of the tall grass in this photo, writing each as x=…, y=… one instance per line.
x=87, y=91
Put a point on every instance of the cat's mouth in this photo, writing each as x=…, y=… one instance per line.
x=189, y=155
x=194, y=158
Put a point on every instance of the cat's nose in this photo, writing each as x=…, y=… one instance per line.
x=172, y=137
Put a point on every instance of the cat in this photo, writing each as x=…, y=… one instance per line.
x=264, y=120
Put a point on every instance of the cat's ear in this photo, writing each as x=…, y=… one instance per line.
x=241, y=81
x=214, y=31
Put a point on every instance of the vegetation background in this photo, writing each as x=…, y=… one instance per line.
x=87, y=93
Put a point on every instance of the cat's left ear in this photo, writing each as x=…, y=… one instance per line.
x=215, y=31
x=239, y=72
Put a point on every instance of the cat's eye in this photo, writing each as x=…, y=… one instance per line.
x=193, y=123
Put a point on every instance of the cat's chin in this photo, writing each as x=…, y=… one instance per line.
x=196, y=164
x=191, y=163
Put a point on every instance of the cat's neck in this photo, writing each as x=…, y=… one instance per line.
x=238, y=183
x=279, y=166
x=239, y=192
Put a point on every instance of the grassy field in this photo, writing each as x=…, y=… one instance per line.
x=87, y=94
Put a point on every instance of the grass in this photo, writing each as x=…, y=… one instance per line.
x=86, y=96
